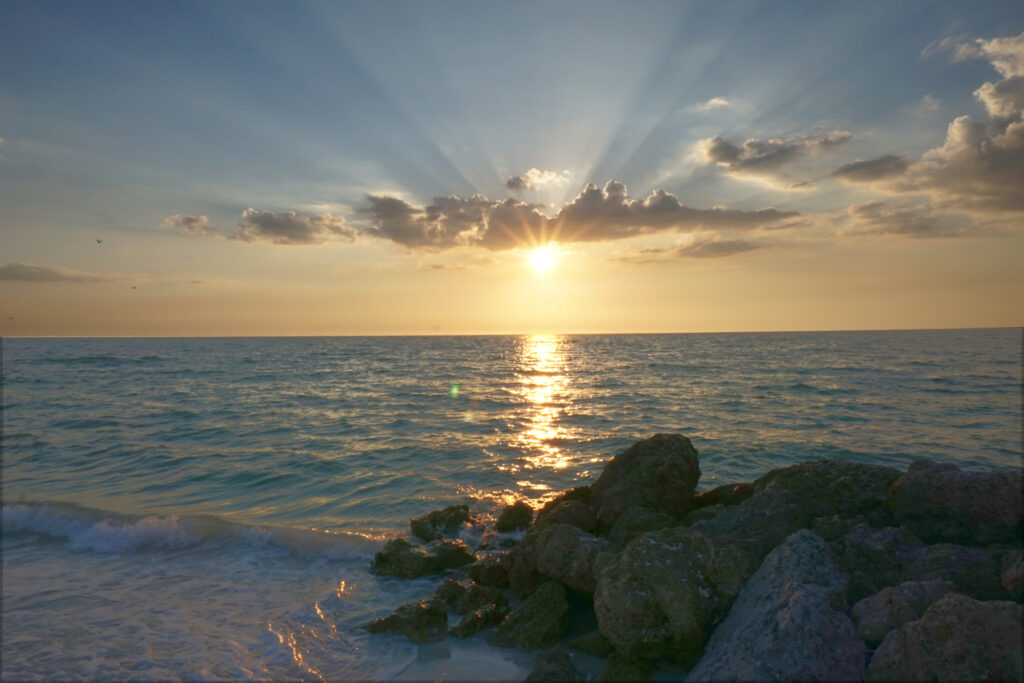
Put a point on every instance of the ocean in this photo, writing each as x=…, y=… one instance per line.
x=208, y=508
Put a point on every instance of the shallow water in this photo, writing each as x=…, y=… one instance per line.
x=207, y=508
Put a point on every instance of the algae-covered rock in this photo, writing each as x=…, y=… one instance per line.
x=514, y=517
x=434, y=525
x=957, y=639
x=620, y=667
x=783, y=626
x=940, y=502
x=402, y=559
x=660, y=473
x=421, y=622
x=553, y=665
x=635, y=521
x=664, y=592
x=490, y=570
x=540, y=621
x=488, y=615
x=892, y=607
x=574, y=512
x=570, y=555
x=467, y=596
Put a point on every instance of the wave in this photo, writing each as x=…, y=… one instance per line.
x=107, y=533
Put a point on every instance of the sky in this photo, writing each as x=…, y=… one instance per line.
x=225, y=168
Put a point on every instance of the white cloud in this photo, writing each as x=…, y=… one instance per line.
x=713, y=103
x=538, y=179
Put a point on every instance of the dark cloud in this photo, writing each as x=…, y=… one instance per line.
x=594, y=214
x=766, y=159
x=872, y=169
x=29, y=272
x=197, y=226
x=291, y=228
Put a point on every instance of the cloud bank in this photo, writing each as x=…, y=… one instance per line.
x=30, y=272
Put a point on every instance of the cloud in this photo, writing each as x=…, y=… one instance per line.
x=197, y=226
x=595, y=214
x=538, y=179
x=711, y=247
x=766, y=159
x=881, y=218
x=927, y=105
x=29, y=272
x=1005, y=54
x=872, y=169
x=713, y=103
x=290, y=228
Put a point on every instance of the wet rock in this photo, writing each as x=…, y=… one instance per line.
x=592, y=643
x=635, y=521
x=664, y=592
x=619, y=667
x=940, y=502
x=553, y=665
x=660, y=473
x=490, y=570
x=514, y=517
x=957, y=638
x=425, y=621
x=783, y=626
x=727, y=494
x=569, y=555
x=467, y=596
x=574, y=512
x=540, y=621
x=402, y=559
x=892, y=607
x=436, y=524
x=580, y=494
x=488, y=615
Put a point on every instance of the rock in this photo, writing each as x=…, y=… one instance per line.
x=553, y=665
x=400, y=558
x=635, y=521
x=1012, y=579
x=660, y=472
x=699, y=514
x=619, y=667
x=664, y=592
x=574, y=512
x=540, y=621
x=568, y=554
x=425, y=621
x=490, y=570
x=973, y=571
x=892, y=607
x=439, y=522
x=957, y=638
x=468, y=596
x=489, y=615
x=513, y=517
x=940, y=502
x=782, y=625
x=522, y=572
x=833, y=527
x=592, y=643
x=728, y=494
x=580, y=493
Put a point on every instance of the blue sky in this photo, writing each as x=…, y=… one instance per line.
x=156, y=126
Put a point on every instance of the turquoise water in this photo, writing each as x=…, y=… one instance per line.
x=207, y=508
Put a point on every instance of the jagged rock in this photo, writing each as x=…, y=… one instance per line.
x=514, y=517
x=400, y=558
x=892, y=607
x=538, y=622
x=488, y=615
x=957, y=638
x=490, y=570
x=553, y=665
x=619, y=667
x=574, y=512
x=568, y=554
x=635, y=521
x=727, y=494
x=467, y=596
x=425, y=621
x=782, y=625
x=592, y=643
x=663, y=593
x=660, y=472
x=940, y=502
x=434, y=525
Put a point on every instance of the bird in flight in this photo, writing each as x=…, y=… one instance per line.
x=98, y=240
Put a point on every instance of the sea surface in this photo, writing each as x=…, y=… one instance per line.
x=208, y=508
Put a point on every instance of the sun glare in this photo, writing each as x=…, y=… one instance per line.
x=543, y=259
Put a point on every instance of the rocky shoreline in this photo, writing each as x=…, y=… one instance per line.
x=826, y=570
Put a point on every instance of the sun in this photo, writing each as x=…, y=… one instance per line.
x=543, y=259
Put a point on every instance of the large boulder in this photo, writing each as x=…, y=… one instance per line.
x=570, y=555
x=783, y=626
x=957, y=638
x=421, y=622
x=659, y=473
x=892, y=607
x=514, y=517
x=539, y=622
x=635, y=521
x=402, y=559
x=553, y=665
x=662, y=595
x=940, y=502
x=574, y=512
x=436, y=524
